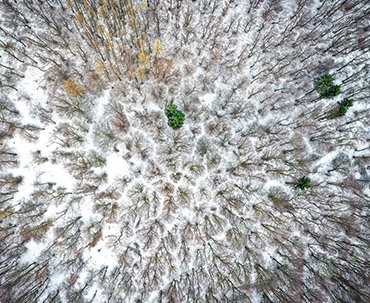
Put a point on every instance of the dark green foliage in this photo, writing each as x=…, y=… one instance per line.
x=323, y=83
x=325, y=87
x=332, y=92
x=176, y=120
x=304, y=183
x=348, y=102
x=170, y=110
x=342, y=110
x=175, y=117
x=344, y=105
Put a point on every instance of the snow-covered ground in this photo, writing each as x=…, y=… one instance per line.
x=101, y=201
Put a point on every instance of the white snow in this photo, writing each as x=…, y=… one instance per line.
x=208, y=99
x=215, y=71
x=33, y=252
x=116, y=166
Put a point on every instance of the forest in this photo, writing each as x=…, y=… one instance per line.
x=184, y=151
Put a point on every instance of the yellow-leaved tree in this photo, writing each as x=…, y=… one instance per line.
x=117, y=31
x=73, y=89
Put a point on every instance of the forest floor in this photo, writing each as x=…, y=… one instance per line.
x=261, y=196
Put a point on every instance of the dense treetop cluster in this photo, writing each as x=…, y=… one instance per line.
x=184, y=151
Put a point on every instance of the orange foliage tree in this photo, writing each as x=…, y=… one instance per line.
x=117, y=31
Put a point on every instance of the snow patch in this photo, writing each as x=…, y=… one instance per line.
x=34, y=250
x=208, y=98
x=116, y=166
